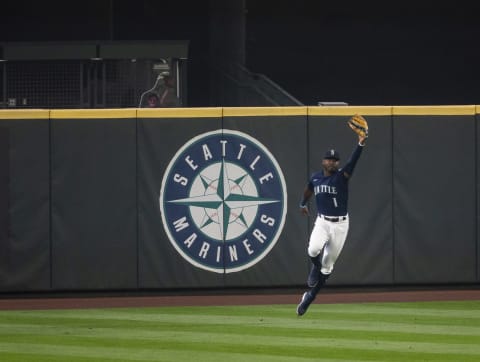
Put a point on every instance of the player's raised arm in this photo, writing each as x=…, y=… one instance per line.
x=359, y=125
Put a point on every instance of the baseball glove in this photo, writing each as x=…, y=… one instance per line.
x=359, y=125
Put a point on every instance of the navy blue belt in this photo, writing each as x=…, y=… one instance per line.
x=333, y=219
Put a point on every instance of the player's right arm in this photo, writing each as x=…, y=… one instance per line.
x=307, y=193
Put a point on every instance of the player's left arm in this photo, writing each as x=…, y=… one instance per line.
x=352, y=162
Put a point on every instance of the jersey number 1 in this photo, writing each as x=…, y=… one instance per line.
x=335, y=202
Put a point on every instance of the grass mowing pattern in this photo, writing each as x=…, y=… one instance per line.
x=424, y=331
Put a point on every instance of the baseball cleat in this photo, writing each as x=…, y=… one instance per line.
x=314, y=276
x=304, y=303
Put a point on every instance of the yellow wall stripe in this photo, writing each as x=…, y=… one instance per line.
x=25, y=114
x=93, y=113
x=218, y=112
x=350, y=110
x=433, y=110
x=264, y=111
x=179, y=112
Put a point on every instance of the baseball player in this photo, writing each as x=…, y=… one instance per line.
x=330, y=186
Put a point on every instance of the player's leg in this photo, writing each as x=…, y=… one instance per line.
x=318, y=238
x=334, y=247
x=316, y=244
x=331, y=253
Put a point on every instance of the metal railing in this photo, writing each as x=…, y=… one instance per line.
x=235, y=86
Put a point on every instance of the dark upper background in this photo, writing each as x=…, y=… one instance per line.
x=361, y=52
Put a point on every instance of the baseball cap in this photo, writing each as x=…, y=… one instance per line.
x=332, y=154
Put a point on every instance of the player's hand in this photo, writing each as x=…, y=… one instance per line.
x=362, y=140
x=304, y=211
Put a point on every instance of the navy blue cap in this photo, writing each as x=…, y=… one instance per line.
x=332, y=154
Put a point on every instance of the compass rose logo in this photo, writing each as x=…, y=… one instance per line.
x=223, y=201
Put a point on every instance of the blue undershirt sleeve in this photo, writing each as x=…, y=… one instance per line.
x=350, y=165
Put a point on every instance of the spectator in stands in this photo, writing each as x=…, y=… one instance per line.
x=153, y=101
x=168, y=93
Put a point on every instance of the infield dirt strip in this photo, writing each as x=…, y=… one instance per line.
x=326, y=297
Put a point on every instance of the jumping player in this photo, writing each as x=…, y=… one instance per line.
x=330, y=187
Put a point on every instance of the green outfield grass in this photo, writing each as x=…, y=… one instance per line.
x=426, y=331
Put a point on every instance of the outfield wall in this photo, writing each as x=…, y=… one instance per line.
x=80, y=205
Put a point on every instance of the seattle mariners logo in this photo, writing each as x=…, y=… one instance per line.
x=223, y=201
